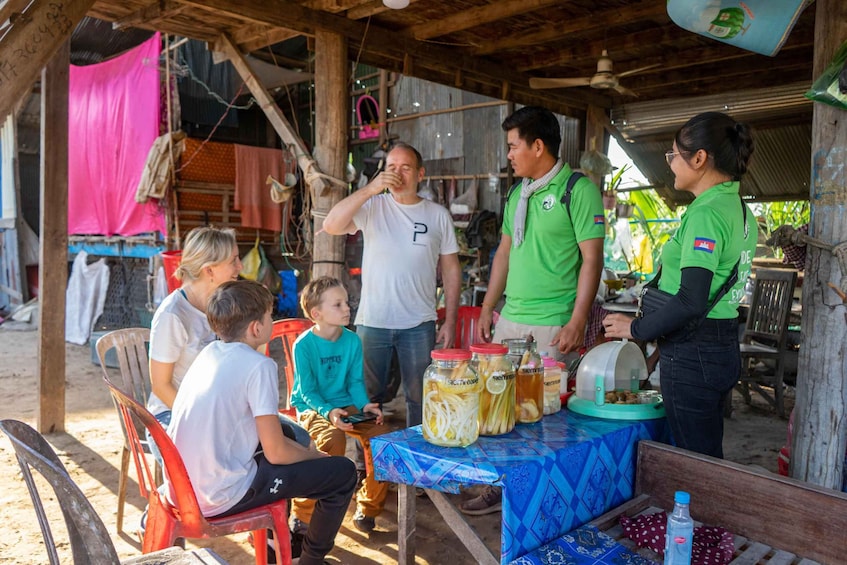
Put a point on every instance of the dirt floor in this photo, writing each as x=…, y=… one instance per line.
x=91, y=445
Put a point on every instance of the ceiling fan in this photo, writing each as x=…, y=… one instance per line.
x=603, y=79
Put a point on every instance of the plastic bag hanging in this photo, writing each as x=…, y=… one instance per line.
x=251, y=262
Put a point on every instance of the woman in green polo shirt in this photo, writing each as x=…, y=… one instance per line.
x=698, y=337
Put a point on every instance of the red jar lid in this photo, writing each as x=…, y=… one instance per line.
x=450, y=354
x=490, y=348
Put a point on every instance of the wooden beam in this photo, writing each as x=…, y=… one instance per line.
x=255, y=36
x=683, y=82
x=477, y=16
x=820, y=413
x=274, y=114
x=149, y=14
x=633, y=13
x=331, y=126
x=519, y=91
x=368, y=9
x=653, y=37
x=28, y=46
x=53, y=248
x=382, y=45
x=10, y=9
x=331, y=6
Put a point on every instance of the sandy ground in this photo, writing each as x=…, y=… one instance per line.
x=91, y=445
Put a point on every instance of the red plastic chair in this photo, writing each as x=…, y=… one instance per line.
x=466, y=319
x=287, y=331
x=166, y=522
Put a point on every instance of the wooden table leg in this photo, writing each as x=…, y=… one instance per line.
x=406, y=508
x=459, y=525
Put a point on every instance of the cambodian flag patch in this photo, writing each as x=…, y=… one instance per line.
x=704, y=244
x=599, y=219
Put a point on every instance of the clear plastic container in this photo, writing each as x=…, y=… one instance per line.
x=680, y=531
x=552, y=382
x=529, y=380
x=497, y=383
x=450, y=399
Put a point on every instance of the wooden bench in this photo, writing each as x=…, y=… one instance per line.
x=775, y=520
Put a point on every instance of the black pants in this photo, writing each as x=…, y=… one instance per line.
x=696, y=376
x=329, y=480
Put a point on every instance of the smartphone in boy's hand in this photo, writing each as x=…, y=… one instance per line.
x=358, y=417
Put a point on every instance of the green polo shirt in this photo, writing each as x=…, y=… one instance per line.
x=711, y=236
x=543, y=271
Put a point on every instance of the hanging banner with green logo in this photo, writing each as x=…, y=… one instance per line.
x=761, y=26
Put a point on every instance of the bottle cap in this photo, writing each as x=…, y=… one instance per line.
x=682, y=497
x=549, y=362
x=489, y=348
x=450, y=354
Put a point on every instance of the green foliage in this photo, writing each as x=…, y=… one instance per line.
x=771, y=215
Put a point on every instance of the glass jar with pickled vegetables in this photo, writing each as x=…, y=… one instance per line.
x=552, y=385
x=497, y=383
x=450, y=399
x=529, y=379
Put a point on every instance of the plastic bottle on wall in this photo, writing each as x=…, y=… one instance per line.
x=680, y=532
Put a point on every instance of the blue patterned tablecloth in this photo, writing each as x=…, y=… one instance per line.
x=556, y=474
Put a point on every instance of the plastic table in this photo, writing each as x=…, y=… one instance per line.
x=556, y=474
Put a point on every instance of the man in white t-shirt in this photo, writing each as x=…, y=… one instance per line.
x=406, y=239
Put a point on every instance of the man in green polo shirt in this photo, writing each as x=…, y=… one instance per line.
x=550, y=255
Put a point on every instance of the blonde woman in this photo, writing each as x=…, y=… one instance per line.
x=180, y=329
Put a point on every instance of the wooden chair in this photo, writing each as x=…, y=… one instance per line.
x=287, y=330
x=89, y=539
x=765, y=335
x=167, y=522
x=130, y=346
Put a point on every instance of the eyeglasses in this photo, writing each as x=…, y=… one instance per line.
x=670, y=155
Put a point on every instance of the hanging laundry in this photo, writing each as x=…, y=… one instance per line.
x=253, y=165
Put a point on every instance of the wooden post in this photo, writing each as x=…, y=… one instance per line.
x=384, y=104
x=820, y=414
x=32, y=42
x=331, y=102
x=595, y=137
x=53, y=255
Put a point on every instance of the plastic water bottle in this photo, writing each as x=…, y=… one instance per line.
x=680, y=531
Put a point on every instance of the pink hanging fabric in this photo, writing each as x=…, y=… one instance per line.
x=114, y=119
x=252, y=195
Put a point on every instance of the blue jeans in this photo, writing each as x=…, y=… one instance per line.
x=164, y=418
x=696, y=377
x=413, y=347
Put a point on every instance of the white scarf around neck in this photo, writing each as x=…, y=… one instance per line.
x=528, y=188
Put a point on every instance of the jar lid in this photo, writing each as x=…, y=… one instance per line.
x=549, y=362
x=450, y=354
x=489, y=348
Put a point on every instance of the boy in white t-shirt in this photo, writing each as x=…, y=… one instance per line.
x=225, y=425
x=329, y=387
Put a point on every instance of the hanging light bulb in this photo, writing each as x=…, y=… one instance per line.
x=396, y=4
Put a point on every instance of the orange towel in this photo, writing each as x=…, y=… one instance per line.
x=252, y=195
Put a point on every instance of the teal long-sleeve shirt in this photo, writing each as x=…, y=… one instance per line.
x=328, y=374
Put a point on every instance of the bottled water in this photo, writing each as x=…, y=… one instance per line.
x=680, y=531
